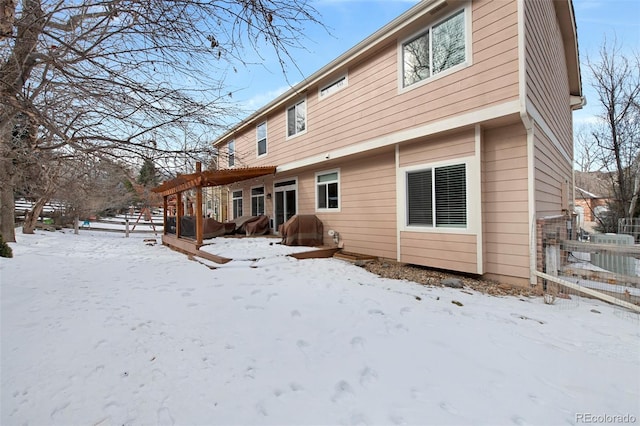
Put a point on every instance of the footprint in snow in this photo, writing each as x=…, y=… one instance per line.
x=295, y=313
x=397, y=419
x=296, y=387
x=358, y=419
x=447, y=407
x=164, y=417
x=368, y=376
x=357, y=342
x=343, y=390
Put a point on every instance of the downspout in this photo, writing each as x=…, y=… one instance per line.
x=529, y=125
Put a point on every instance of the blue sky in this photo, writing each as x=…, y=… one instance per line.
x=350, y=21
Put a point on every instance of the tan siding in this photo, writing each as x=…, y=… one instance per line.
x=371, y=105
x=546, y=72
x=552, y=172
x=366, y=221
x=456, y=252
x=438, y=250
x=439, y=148
x=505, y=202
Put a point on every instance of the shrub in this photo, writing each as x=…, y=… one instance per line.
x=5, y=250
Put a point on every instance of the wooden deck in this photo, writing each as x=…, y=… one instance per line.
x=190, y=247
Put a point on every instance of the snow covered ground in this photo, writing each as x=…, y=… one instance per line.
x=98, y=329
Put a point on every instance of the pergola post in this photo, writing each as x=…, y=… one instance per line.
x=165, y=208
x=179, y=213
x=199, y=216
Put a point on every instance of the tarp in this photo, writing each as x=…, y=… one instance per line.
x=302, y=230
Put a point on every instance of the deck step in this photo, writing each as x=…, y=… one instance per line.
x=354, y=257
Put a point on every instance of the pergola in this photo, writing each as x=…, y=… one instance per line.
x=196, y=181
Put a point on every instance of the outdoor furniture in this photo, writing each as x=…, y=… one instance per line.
x=241, y=223
x=302, y=230
x=258, y=227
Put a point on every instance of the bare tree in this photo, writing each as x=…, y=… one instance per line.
x=616, y=138
x=115, y=78
x=586, y=156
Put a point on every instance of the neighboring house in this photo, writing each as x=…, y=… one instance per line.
x=592, y=194
x=436, y=141
x=589, y=205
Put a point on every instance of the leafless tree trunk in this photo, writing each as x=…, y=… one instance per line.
x=616, y=79
x=109, y=78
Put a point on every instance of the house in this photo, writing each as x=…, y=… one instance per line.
x=592, y=194
x=436, y=141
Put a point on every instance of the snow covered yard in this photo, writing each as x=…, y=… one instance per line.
x=98, y=329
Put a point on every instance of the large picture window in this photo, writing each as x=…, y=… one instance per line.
x=237, y=203
x=327, y=190
x=297, y=118
x=441, y=47
x=437, y=196
x=257, y=201
x=261, y=136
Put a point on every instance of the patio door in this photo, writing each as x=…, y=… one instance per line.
x=285, y=202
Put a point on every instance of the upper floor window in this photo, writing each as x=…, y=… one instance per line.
x=437, y=196
x=333, y=87
x=237, y=203
x=327, y=184
x=439, y=48
x=257, y=201
x=232, y=153
x=261, y=136
x=297, y=118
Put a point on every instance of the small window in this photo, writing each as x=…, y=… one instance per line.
x=335, y=86
x=257, y=201
x=439, y=48
x=261, y=136
x=232, y=153
x=237, y=203
x=327, y=185
x=439, y=196
x=297, y=118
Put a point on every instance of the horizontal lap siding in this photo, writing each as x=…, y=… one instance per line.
x=366, y=221
x=439, y=250
x=434, y=149
x=456, y=252
x=551, y=173
x=505, y=202
x=546, y=72
x=371, y=105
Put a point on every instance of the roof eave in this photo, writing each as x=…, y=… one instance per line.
x=349, y=56
x=566, y=14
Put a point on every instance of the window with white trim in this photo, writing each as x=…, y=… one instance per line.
x=327, y=192
x=236, y=198
x=437, y=197
x=257, y=201
x=261, y=138
x=334, y=86
x=231, y=147
x=297, y=118
x=440, y=47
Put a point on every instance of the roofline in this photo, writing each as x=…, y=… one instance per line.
x=566, y=13
x=407, y=18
